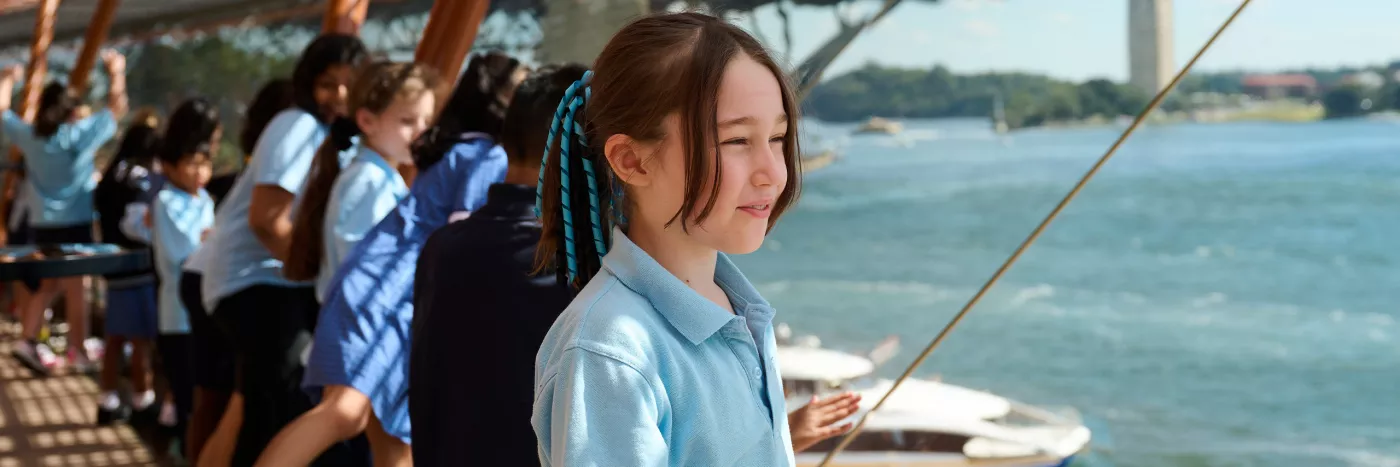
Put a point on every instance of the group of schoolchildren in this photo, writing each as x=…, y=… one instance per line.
x=535, y=274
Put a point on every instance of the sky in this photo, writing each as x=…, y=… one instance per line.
x=1083, y=39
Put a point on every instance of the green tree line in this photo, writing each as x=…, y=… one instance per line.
x=1028, y=99
x=215, y=67
x=1032, y=99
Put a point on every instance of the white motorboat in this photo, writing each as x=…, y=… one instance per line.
x=925, y=423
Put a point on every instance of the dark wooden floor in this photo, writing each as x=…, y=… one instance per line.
x=48, y=421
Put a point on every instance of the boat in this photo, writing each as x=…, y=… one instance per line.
x=819, y=149
x=999, y=115
x=818, y=161
x=925, y=423
x=880, y=125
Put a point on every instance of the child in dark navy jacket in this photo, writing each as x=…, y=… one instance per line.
x=127, y=186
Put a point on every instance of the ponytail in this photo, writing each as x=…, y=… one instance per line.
x=574, y=241
x=308, y=228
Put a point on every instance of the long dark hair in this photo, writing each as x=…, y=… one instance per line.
x=326, y=51
x=656, y=66
x=374, y=90
x=190, y=131
x=56, y=106
x=273, y=98
x=137, y=148
x=476, y=105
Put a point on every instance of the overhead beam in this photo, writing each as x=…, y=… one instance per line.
x=433, y=33
x=92, y=43
x=179, y=23
x=28, y=104
x=451, y=31
x=468, y=14
x=345, y=16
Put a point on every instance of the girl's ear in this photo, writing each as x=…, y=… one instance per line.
x=625, y=156
x=365, y=119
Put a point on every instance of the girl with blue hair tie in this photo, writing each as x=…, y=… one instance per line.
x=679, y=149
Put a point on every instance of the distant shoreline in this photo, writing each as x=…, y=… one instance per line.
x=1280, y=111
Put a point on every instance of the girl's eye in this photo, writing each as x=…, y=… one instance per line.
x=737, y=141
x=777, y=139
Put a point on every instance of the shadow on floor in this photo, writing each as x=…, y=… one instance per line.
x=50, y=421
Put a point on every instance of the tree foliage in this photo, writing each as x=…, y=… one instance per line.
x=215, y=67
x=1346, y=101
x=1028, y=99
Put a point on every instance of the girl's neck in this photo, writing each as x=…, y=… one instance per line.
x=182, y=187
x=692, y=263
x=393, y=161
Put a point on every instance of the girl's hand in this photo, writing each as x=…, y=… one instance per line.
x=817, y=420
x=12, y=73
x=115, y=62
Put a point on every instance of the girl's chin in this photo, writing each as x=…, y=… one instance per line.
x=744, y=243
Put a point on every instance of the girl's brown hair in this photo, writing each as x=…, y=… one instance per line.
x=56, y=105
x=653, y=67
x=375, y=88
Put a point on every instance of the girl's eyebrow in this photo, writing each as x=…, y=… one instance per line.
x=747, y=120
x=736, y=122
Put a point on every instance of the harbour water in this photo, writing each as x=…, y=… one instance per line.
x=1221, y=295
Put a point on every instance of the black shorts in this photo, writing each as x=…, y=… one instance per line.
x=178, y=364
x=56, y=235
x=271, y=327
x=209, y=345
x=19, y=236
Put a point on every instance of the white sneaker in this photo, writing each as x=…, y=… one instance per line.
x=39, y=358
x=95, y=348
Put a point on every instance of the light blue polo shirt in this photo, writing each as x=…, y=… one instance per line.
x=366, y=191
x=60, y=168
x=178, y=219
x=640, y=370
x=281, y=158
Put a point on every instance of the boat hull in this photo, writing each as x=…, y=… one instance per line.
x=904, y=459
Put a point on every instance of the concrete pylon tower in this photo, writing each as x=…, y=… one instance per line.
x=1150, y=63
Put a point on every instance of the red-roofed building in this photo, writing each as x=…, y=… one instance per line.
x=1278, y=86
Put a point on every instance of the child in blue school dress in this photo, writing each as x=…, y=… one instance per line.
x=667, y=354
x=391, y=104
x=362, y=334
x=268, y=317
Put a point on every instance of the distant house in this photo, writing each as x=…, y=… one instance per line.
x=1279, y=86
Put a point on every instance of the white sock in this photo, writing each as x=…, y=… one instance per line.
x=109, y=400
x=167, y=414
x=143, y=400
